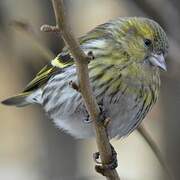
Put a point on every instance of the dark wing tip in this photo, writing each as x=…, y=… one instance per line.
x=18, y=101
x=7, y=102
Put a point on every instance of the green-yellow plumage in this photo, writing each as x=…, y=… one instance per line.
x=124, y=75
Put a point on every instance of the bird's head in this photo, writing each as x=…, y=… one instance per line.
x=144, y=40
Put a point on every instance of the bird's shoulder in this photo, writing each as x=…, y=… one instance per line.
x=57, y=65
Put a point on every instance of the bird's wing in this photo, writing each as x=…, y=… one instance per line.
x=63, y=60
x=57, y=65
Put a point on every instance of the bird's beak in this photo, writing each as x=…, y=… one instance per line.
x=158, y=60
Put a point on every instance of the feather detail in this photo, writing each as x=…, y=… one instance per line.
x=63, y=60
x=19, y=100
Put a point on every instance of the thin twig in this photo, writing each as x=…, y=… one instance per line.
x=142, y=131
x=28, y=31
x=81, y=60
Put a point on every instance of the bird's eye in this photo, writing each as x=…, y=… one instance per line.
x=147, y=42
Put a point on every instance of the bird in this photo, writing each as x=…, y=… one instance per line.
x=128, y=55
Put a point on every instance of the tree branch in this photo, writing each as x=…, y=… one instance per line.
x=143, y=132
x=81, y=60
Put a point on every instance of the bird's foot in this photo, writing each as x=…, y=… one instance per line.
x=74, y=86
x=87, y=119
x=102, y=168
x=90, y=55
x=103, y=117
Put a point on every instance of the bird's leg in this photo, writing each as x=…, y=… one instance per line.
x=104, y=167
x=90, y=55
x=103, y=118
x=87, y=119
x=74, y=86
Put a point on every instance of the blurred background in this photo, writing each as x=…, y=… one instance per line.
x=31, y=147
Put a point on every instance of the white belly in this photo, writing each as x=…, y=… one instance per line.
x=122, y=116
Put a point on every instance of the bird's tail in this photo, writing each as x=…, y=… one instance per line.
x=23, y=99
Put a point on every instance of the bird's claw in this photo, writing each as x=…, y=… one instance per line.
x=104, y=167
x=87, y=120
x=96, y=156
x=103, y=117
x=74, y=86
x=90, y=56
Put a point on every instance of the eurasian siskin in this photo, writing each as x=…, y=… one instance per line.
x=124, y=75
